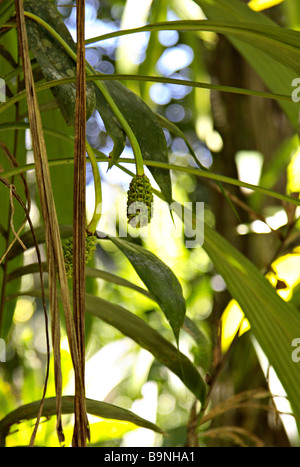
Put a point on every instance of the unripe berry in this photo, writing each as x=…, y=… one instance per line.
x=139, y=201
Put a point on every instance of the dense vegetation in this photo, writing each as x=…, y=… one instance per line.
x=179, y=327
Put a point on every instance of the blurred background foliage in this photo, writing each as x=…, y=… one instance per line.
x=232, y=134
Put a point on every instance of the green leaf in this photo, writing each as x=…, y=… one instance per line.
x=259, y=5
x=144, y=335
x=97, y=408
x=147, y=131
x=90, y=272
x=6, y=10
x=53, y=59
x=14, y=142
x=203, y=342
x=61, y=177
x=138, y=330
x=271, y=50
x=277, y=76
x=291, y=11
x=199, y=335
x=58, y=61
x=274, y=322
x=159, y=280
x=113, y=278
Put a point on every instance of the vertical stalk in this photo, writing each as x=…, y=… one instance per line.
x=80, y=434
x=98, y=193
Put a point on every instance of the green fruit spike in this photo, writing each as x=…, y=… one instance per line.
x=139, y=202
x=90, y=247
x=68, y=256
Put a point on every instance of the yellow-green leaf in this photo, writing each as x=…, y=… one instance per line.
x=97, y=408
x=259, y=5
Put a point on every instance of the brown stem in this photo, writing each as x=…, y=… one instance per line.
x=81, y=430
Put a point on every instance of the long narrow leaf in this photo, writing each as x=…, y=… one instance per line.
x=275, y=75
x=138, y=330
x=90, y=272
x=97, y=408
x=274, y=322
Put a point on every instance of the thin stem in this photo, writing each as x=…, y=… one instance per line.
x=246, y=30
x=156, y=79
x=98, y=192
x=164, y=165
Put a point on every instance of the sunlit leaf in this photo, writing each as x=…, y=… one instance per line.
x=259, y=5
x=233, y=322
x=277, y=68
x=274, y=322
x=276, y=75
x=199, y=336
x=137, y=329
x=97, y=408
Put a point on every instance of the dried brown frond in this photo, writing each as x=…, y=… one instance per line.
x=81, y=430
x=55, y=259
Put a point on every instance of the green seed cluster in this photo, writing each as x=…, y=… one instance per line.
x=90, y=247
x=139, y=201
x=68, y=256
